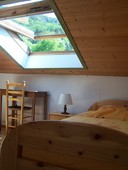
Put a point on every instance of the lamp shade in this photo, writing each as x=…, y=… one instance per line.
x=65, y=99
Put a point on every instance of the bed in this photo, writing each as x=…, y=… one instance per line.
x=81, y=142
x=109, y=113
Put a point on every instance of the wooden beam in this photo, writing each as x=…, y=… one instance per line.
x=50, y=36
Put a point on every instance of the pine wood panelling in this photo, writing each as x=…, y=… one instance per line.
x=61, y=145
x=99, y=29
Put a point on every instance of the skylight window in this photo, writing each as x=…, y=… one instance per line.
x=48, y=33
x=40, y=37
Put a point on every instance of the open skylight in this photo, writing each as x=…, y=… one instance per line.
x=44, y=33
x=38, y=41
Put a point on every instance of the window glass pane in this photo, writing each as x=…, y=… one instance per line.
x=43, y=24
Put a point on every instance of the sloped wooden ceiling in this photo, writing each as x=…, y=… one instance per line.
x=100, y=31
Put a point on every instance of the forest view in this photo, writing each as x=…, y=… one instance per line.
x=43, y=25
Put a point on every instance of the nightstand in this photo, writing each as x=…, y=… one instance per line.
x=58, y=116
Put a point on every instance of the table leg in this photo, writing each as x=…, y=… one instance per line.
x=45, y=107
x=33, y=108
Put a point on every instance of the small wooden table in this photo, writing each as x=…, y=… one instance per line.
x=33, y=95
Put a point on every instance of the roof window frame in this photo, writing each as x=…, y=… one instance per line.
x=41, y=7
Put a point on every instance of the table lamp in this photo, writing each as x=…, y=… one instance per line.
x=65, y=99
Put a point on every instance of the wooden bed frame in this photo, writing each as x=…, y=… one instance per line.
x=61, y=145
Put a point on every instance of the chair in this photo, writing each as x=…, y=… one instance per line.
x=15, y=109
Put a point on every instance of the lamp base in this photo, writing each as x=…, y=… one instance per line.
x=65, y=110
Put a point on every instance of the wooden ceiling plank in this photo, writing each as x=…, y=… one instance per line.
x=75, y=6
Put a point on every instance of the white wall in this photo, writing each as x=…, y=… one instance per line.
x=85, y=90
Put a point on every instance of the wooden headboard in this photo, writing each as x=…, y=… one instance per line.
x=59, y=145
x=99, y=104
